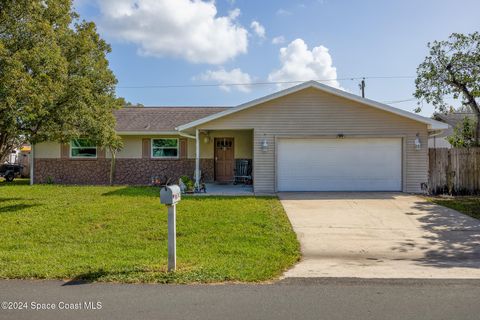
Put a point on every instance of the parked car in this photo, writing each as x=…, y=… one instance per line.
x=10, y=171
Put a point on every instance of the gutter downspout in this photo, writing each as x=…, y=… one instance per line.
x=32, y=163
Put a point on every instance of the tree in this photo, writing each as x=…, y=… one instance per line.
x=55, y=82
x=463, y=134
x=133, y=105
x=452, y=69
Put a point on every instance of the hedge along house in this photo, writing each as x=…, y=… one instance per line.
x=309, y=137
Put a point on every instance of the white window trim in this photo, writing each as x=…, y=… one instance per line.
x=160, y=157
x=77, y=157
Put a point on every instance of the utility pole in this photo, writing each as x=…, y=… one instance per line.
x=361, y=85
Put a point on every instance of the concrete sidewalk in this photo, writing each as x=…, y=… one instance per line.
x=381, y=235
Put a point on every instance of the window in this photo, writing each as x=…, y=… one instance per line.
x=82, y=148
x=164, y=148
x=224, y=144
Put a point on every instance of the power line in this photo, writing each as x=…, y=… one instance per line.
x=461, y=113
x=164, y=86
x=223, y=84
x=400, y=101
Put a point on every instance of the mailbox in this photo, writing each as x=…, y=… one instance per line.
x=170, y=195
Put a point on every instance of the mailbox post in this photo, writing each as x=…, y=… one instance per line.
x=170, y=196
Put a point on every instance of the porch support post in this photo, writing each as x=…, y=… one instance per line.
x=197, y=158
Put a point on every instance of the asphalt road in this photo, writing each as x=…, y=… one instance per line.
x=289, y=299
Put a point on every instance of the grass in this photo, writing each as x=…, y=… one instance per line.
x=120, y=234
x=468, y=205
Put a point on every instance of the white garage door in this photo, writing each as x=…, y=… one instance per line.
x=373, y=164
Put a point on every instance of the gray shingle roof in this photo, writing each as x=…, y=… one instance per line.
x=151, y=119
x=452, y=119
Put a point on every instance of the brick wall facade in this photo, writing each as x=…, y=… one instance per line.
x=128, y=171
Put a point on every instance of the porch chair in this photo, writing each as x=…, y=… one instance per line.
x=242, y=171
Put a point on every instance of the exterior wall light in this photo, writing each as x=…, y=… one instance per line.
x=264, y=145
x=418, y=144
x=206, y=139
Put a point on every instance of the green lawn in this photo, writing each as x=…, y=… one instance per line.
x=467, y=205
x=120, y=234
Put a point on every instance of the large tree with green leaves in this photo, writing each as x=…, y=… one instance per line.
x=452, y=69
x=55, y=81
x=463, y=134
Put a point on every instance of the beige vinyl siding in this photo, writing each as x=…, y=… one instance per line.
x=47, y=150
x=243, y=144
x=312, y=113
x=132, y=148
x=132, y=145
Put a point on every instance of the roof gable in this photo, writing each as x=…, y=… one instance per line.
x=432, y=124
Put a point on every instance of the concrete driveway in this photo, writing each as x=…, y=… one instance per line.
x=381, y=235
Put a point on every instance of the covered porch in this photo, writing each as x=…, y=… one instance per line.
x=232, y=155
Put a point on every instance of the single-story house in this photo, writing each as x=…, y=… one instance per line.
x=310, y=137
x=440, y=140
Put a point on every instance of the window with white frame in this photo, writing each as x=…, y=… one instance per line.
x=165, y=148
x=82, y=148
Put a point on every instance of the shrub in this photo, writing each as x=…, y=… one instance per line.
x=189, y=184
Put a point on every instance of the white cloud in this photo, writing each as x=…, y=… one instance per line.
x=278, y=40
x=283, y=12
x=301, y=64
x=179, y=28
x=234, y=14
x=79, y=3
x=234, y=76
x=258, y=29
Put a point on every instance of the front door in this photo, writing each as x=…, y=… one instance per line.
x=224, y=159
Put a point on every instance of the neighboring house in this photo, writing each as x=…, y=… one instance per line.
x=22, y=157
x=452, y=119
x=310, y=137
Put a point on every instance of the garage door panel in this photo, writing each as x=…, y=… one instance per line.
x=339, y=164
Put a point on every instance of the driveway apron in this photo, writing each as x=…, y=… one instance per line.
x=381, y=235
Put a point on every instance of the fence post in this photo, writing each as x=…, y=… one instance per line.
x=454, y=170
x=449, y=172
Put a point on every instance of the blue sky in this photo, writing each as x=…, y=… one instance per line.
x=179, y=42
